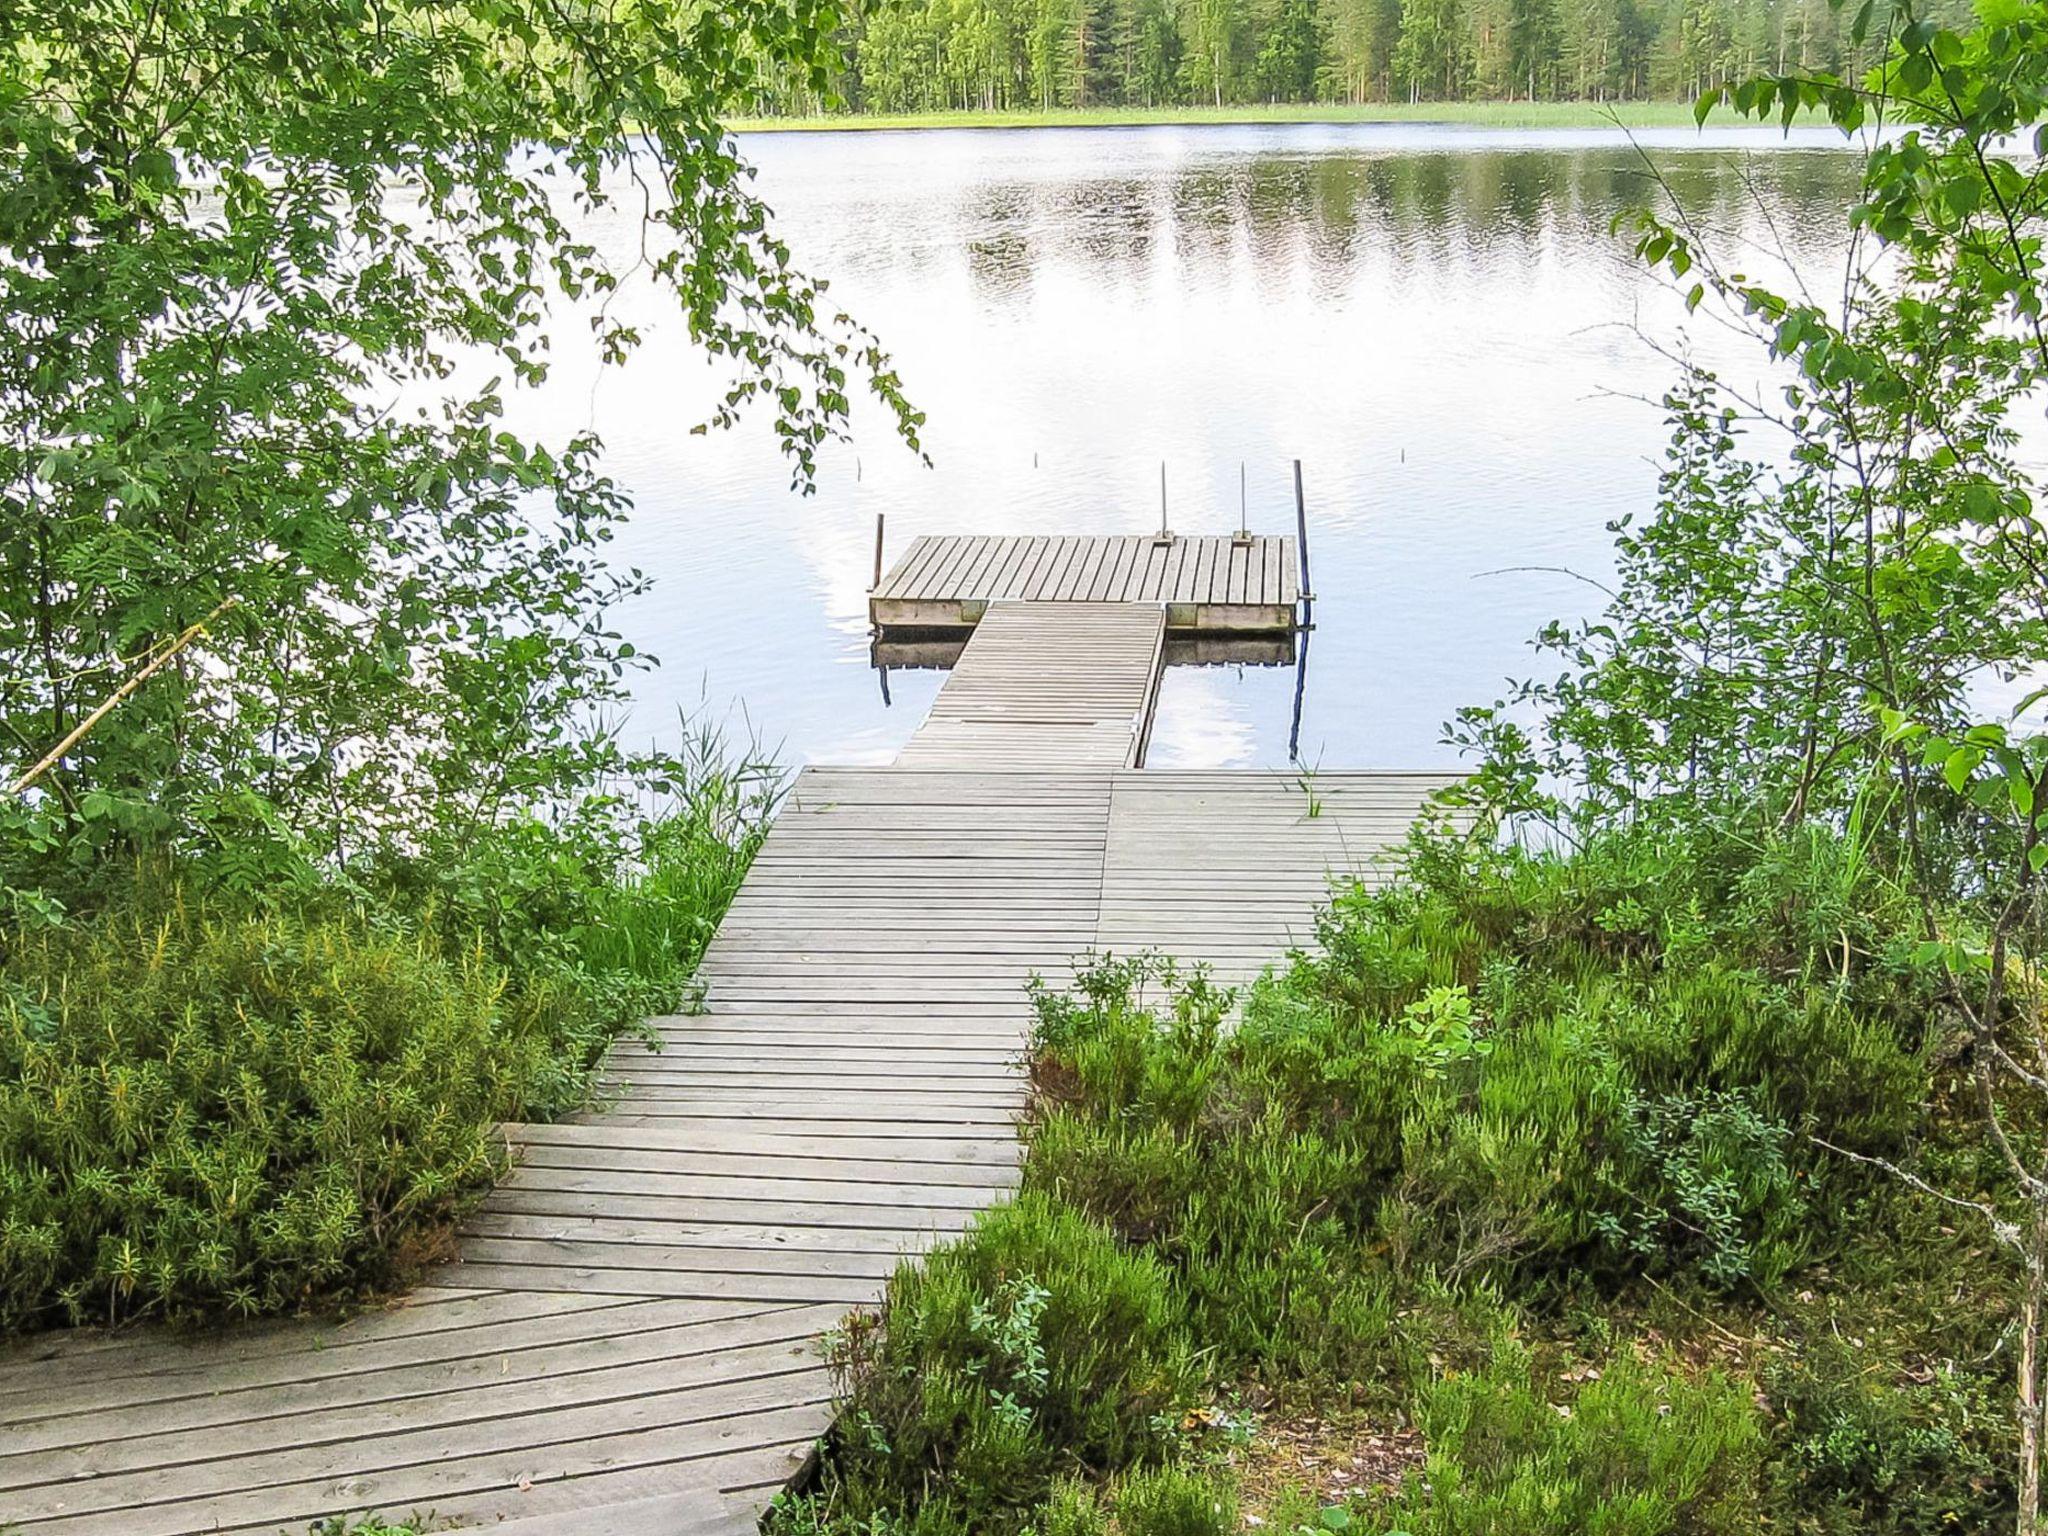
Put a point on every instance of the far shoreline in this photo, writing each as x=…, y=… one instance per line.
x=1475, y=114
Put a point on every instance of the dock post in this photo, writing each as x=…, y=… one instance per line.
x=877, y=582
x=1308, y=594
x=1300, y=693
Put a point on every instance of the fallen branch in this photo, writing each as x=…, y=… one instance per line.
x=78, y=733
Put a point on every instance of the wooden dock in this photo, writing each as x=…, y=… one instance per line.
x=629, y=1339
x=1071, y=685
x=1217, y=583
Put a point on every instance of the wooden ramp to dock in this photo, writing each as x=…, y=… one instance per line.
x=629, y=1339
x=1038, y=685
x=1207, y=582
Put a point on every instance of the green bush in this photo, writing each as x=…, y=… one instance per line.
x=1169, y=1502
x=1864, y=1450
x=1712, y=1183
x=205, y=1109
x=1073, y=1508
x=219, y=1101
x=1034, y=1347
x=1636, y=1453
x=1532, y=1069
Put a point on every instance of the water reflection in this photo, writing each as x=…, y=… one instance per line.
x=1439, y=324
x=1332, y=222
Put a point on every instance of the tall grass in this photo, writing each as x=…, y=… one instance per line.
x=691, y=852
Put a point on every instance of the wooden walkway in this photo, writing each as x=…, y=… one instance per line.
x=1208, y=583
x=629, y=1341
x=1054, y=686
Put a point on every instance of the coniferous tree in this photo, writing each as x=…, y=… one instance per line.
x=1433, y=59
x=1290, y=57
x=914, y=55
x=1358, y=52
x=1532, y=47
x=1211, y=32
x=1706, y=44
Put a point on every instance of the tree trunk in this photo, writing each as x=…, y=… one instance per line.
x=2028, y=1397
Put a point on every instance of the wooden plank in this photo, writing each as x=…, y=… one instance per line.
x=227, y=1425
x=653, y=1228
x=1037, y=552
x=912, y=569
x=354, y=1372
x=1088, y=574
x=735, y=1487
x=418, y=1470
x=1059, y=556
x=617, y=1506
x=946, y=572
x=1038, y=686
x=1005, y=566
x=1213, y=582
x=947, y=568
x=974, y=582
x=1107, y=571
x=1180, y=558
x=154, y=1366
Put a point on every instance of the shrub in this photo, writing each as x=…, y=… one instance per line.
x=1866, y=1450
x=219, y=1100
x=1072, y=1509
x=1171, y=1502
x=1034, y=1347
x=1434, y=1095
x=1638, y=1452
x=1713, y=1184
x=204, y=1109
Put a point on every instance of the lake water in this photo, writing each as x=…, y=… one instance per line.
x=1436, y=321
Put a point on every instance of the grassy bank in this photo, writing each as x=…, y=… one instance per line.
x=1475, y=114
x=1527, y=1203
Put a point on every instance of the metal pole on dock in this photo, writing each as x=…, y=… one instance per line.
x=1308, y=594
x=1165, y=536
x=1244, y=532
x=878, y=554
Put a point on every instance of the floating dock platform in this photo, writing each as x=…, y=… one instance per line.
x=1217, y=583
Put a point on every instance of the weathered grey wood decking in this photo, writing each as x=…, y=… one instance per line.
x=629, y=1339
x=1205, y=582
x=1050, y=686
